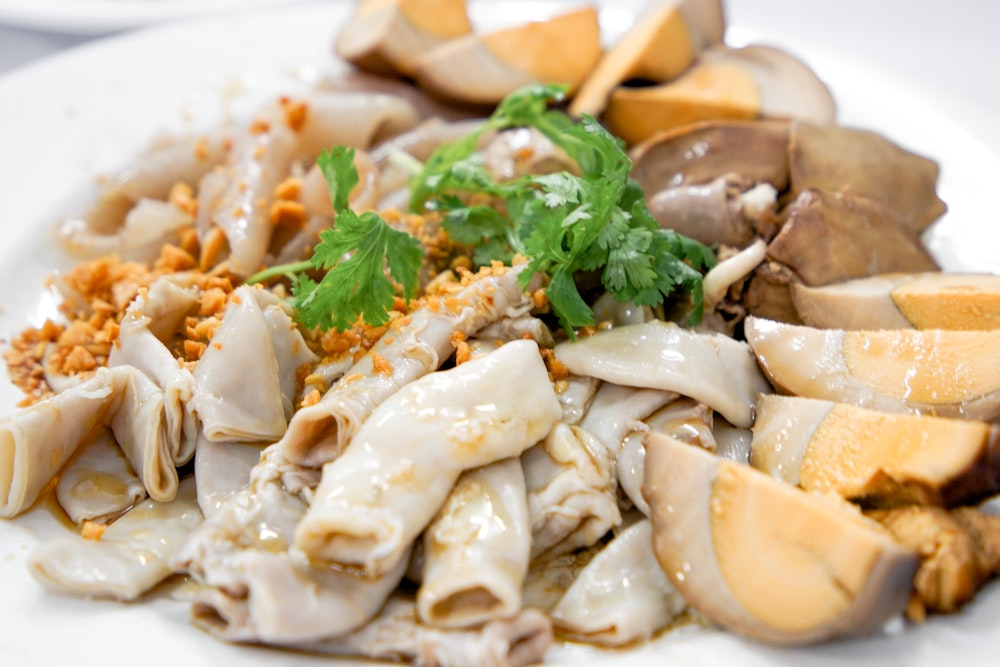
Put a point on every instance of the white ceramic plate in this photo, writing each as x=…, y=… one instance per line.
x=93, y=17
x=64, y=121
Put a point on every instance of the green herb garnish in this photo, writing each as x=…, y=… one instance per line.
x=356, y=254
x=563, y=223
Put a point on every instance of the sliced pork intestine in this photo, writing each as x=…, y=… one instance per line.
x=169, y=300
x=571, y=491
x=514, y=328
x=712, y=368
x=575, y=396
x=684, y=419
x=731, y=443
x=168, y=161
x=286, y=601
x=37, y=441
x=386, y=486
x=319, y=433
x=259, y=589
x=140, y=427
x=147, y=226
x=238, y=202
x=98, y=483
x=617, y=410
x=355, y=119
x=137, y=346
x=549, y=578
x=132, y=555
x=397, y=634
x=287, y=343
x=630, y=467
x=622, y=596
x=222, y=469
x=476, y=549
x=250, y=402
x=171, y=160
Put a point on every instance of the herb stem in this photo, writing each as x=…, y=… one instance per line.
x=286, y=270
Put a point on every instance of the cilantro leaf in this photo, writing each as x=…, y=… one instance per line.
x=337, y=167
x=355, y=254
x=593, y=219
x=355, y=283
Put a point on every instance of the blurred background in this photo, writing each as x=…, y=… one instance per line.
x=953, y=46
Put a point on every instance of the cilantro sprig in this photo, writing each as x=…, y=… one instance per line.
x=356, y=255
x=563, y=223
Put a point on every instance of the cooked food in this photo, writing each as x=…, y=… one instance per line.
x=127, y=558
x=928, y=300
x=959, y=552
x=865, y=164
x=876, y=458
x=482, y=69
x=476, y=549
x=383, y=380
x=388, y=37
x=830, y=236
x=724, y=84
x=712, y=368
x=940, y=372
x=662, y=44
x=621, y=596
x=821, y=571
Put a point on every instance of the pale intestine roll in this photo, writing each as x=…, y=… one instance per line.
x=476, y=549
x=37, y=441
x=131, y=556
x=222, y=469
x=170, y=160
x=622, y=596
x=237, y=198
x=391, y=480
x=571, y=491
x=397, y=634
x=139, y=345
x=238, y=202
x=258, y=589
x=98, y=483
x=285, y=601
x=617, y=410
x=684, y=419
x=318, y=433
x=250, y=402
x=131, y=216
x=140, y=427
x=576, y=393
x=148, y=225
x=712, y=368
